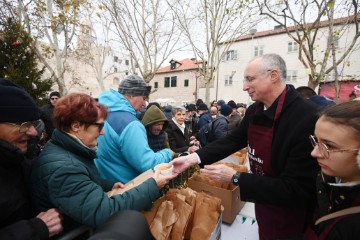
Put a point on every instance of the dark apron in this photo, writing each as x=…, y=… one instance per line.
x=274, y=222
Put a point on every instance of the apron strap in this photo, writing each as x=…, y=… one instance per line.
x=343, y=212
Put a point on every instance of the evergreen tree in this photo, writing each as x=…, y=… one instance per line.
x=18, y=62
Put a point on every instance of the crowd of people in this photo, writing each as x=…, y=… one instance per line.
x=303, y=151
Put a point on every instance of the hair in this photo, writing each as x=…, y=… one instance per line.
x=347, y=113
x=176, y=109
x=306, y=92
x=77, y=107
x=273, y=61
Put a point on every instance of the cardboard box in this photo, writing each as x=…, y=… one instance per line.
x=230, y=199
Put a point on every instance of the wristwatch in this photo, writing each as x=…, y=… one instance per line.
x=236, y=178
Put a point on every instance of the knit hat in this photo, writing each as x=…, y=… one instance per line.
x=16, y=105
x=190, y=107
x=221, y=102
x=232, y=104
x=225, y=110
x=134, y=85
x=202, y=106
x=57, y=94
x=322, y=101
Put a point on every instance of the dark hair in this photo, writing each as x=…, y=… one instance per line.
x=153, y=103
x=347, y=113
x=77, y=107
x=306, y=92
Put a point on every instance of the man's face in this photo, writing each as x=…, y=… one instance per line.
x=53, y=100
x=11, y=134
x=137, y=102
x=156, y=128
x=257, y=82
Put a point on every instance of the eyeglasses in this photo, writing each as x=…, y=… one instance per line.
x=24, y=127
x=324, y=150
x=251, y=79
x=99, y=125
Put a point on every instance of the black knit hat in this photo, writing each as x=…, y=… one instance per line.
x=225, y=110
x=55, y=94
x=202, y=106
x=232, y=104
x=134, y=85
x=16, y=105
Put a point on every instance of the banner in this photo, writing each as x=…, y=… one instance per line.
x=345, y=90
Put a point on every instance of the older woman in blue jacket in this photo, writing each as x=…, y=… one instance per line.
x=64, y=176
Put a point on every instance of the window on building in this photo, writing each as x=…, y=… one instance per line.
x=156, y=85
x=166, y=82
x=115, y=69
x=116, y=59
x=292, y=46
x=126, y=73
x=230, y=55
x=258, y=51
x=291, y=76
x=173, y=65
x=173, y=81
x=228, y=80
x=127, y=62
x=116, y=81
x=186, y=82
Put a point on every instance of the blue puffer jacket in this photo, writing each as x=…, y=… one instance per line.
x=123, y=151
x=65, y=177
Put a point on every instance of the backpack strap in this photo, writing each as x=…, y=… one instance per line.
x=343, y=212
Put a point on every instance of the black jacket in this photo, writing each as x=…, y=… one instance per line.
x=178, y=141
x=17, y=220
x=46, y=114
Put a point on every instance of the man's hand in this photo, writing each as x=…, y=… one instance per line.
x=118, y=185
x=182, y=163
x=52, y=218
x=162, y=180
x=219, y=172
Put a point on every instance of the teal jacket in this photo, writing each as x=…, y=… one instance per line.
x=65, y=177
x=123, y=151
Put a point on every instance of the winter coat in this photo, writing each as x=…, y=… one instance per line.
x=204, y=119
x=17, y=218
x=234, y=121
x=179, y=142
x=123, y=151
x=65, y=177
x=219, y=128
x=294, y=169
x=154, y=115
x=47, y=115
x=334, y=197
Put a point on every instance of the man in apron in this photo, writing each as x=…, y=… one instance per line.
x=276, y=129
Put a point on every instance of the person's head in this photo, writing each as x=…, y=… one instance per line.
x=219, y=103
x=19, y=116
x=82, y=116
x=306, y=92
x=225, y=110
x=135, y=90
x=154, y=120
x=232, y=104
x=264, y=78
x=336, y=141
x=202, y=108
x=198, y=102
x=179, y=114
x=213, y=103
x=352, y=95
x=153, y=103
x=54, y=97
x=214, y=111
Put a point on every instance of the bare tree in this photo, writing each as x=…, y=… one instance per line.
x=148, y=32
x=54, y=22
x=211, y=26
x=303, y=21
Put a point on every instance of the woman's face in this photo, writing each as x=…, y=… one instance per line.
x=180, y=116
x=336, y=137
x=89, y=135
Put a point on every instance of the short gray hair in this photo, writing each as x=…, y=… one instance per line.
x=176, y=109
x=273, y=61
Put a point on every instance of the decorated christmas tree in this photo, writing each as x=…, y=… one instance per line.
x=19, y=63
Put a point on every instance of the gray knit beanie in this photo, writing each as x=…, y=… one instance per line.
x=134, y=85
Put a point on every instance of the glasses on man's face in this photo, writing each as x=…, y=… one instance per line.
x=24, y=127
x=324, y=150
x=99, y=125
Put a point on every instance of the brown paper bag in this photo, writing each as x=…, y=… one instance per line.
x=164, y=221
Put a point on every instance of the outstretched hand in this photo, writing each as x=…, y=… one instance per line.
x=162, y=180
x=219, y=172
x=182, y=163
